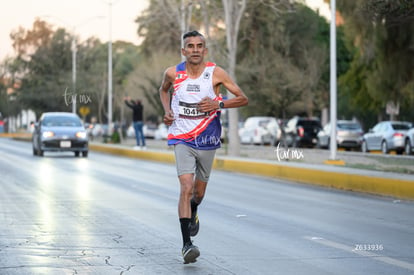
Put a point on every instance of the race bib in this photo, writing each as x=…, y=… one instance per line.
x=190, y=111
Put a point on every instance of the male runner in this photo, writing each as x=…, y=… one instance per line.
x=195, y=127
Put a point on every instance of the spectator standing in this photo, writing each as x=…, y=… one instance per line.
x=138, y=122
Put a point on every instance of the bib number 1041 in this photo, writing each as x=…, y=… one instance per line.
x=190, y=111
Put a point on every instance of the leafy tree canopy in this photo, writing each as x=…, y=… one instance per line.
x=381, y=71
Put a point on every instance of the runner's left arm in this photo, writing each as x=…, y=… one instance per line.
x=223, y=78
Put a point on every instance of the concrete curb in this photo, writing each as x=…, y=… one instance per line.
x=399, y=188
x=129, y=152
x=384, y=186
x=20, y=136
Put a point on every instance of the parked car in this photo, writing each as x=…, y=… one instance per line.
x=99, y=130
x=148, y=130
x=1, y=126
x=386, y=136
x=409, y=142
x=161, y=132
x=302, y=131
x=348, y=135
x=260, y=130
x=60, y=132
x=96, y=130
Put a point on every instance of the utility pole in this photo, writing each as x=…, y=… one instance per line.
x=74, y=50
x=110, y=65
x=333, y=143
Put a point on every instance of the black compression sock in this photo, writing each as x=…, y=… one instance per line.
x=185, y=229
x=194, y=206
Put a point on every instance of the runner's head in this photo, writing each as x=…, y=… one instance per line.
x=194, y=48
x=193, y=34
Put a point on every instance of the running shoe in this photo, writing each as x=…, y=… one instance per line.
x=190, y=253
x=194, y=225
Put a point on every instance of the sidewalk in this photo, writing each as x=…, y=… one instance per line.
x=305, y=166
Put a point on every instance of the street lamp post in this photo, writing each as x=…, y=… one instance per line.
x=110, y=66
x=333, y=143
x=74, y=52
x=110, y=4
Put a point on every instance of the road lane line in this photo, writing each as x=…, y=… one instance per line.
x=374, y=256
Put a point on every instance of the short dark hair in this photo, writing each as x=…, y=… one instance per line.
x=192, y=34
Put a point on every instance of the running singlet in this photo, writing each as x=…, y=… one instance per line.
x=191, y=127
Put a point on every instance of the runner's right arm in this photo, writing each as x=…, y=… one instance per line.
x=165, y=96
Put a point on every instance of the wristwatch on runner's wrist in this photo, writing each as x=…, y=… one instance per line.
x=221, y=104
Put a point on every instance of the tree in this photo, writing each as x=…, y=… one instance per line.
x=48, y=76
x=92, y=71
x=382, y=32
x=233, y=12
x=9, y=103
x=144, y=83
x=277, y=50
x=44, y=64
x=93, y=75
x=284, y=60
x=160, y=27
x=4, y=110
x=164, y=22
x=126, y=58
x=25, y=42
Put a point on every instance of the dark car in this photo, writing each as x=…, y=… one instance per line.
x=60, y=132
x=302, y=131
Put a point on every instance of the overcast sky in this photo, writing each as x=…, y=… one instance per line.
x=321, y=6
x=89, y=17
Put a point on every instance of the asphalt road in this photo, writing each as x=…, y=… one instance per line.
x=112, y=215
